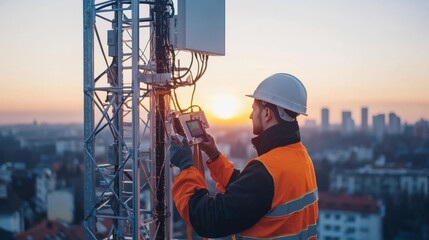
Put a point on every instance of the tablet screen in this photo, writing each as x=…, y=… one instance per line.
x=195, y=128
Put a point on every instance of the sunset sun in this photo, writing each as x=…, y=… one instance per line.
x=225, y=107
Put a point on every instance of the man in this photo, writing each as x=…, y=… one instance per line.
x=275, y=195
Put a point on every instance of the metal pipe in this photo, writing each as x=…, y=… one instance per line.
x=88, y=85
x=119, y=223
x=162, y=106
x=135, y=118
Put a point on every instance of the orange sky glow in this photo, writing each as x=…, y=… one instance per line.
x=347, y=54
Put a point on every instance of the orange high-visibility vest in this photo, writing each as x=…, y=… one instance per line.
x=294, y=209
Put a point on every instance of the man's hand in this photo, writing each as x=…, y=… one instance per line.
x=210, y=148
x=181, y=154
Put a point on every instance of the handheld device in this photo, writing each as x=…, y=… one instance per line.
x=196, y=129
x=190, y=125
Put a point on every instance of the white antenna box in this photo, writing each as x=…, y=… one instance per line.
x=199, y=26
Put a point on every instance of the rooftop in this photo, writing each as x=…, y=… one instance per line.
x=56, y=230
x=52, y=229
x=348, y=203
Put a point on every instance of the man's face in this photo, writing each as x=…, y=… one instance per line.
x=256, y=117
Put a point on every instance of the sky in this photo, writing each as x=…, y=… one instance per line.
x=348, y=54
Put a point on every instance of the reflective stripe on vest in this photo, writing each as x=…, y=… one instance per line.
x=295, y=205
x=311, y=231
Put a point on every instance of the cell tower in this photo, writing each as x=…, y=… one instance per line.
x=130, y=72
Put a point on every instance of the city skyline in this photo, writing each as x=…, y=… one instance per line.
x=348, y=122
x=303, y=120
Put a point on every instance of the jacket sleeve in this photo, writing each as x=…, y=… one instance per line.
x=187, y=182
x=244, y=202
x=222, y=172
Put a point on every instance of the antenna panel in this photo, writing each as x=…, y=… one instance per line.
x=199, y=26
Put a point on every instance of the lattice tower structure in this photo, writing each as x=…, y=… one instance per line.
x=124, y=121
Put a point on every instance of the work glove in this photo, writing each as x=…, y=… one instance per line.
x=209, y=147
x=180, y=154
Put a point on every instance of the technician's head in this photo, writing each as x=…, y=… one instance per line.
x=279, y=98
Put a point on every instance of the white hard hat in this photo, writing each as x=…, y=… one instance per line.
x=283, y=90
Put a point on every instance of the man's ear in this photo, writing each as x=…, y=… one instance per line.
x=268, y=114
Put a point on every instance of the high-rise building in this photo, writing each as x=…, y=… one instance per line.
x=347, y=124
x=325, y=120
x=394, y=124
x=421, y=129
x=364, y=119
x=379, y=126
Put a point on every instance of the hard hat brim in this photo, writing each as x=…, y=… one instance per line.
x=252, y=96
